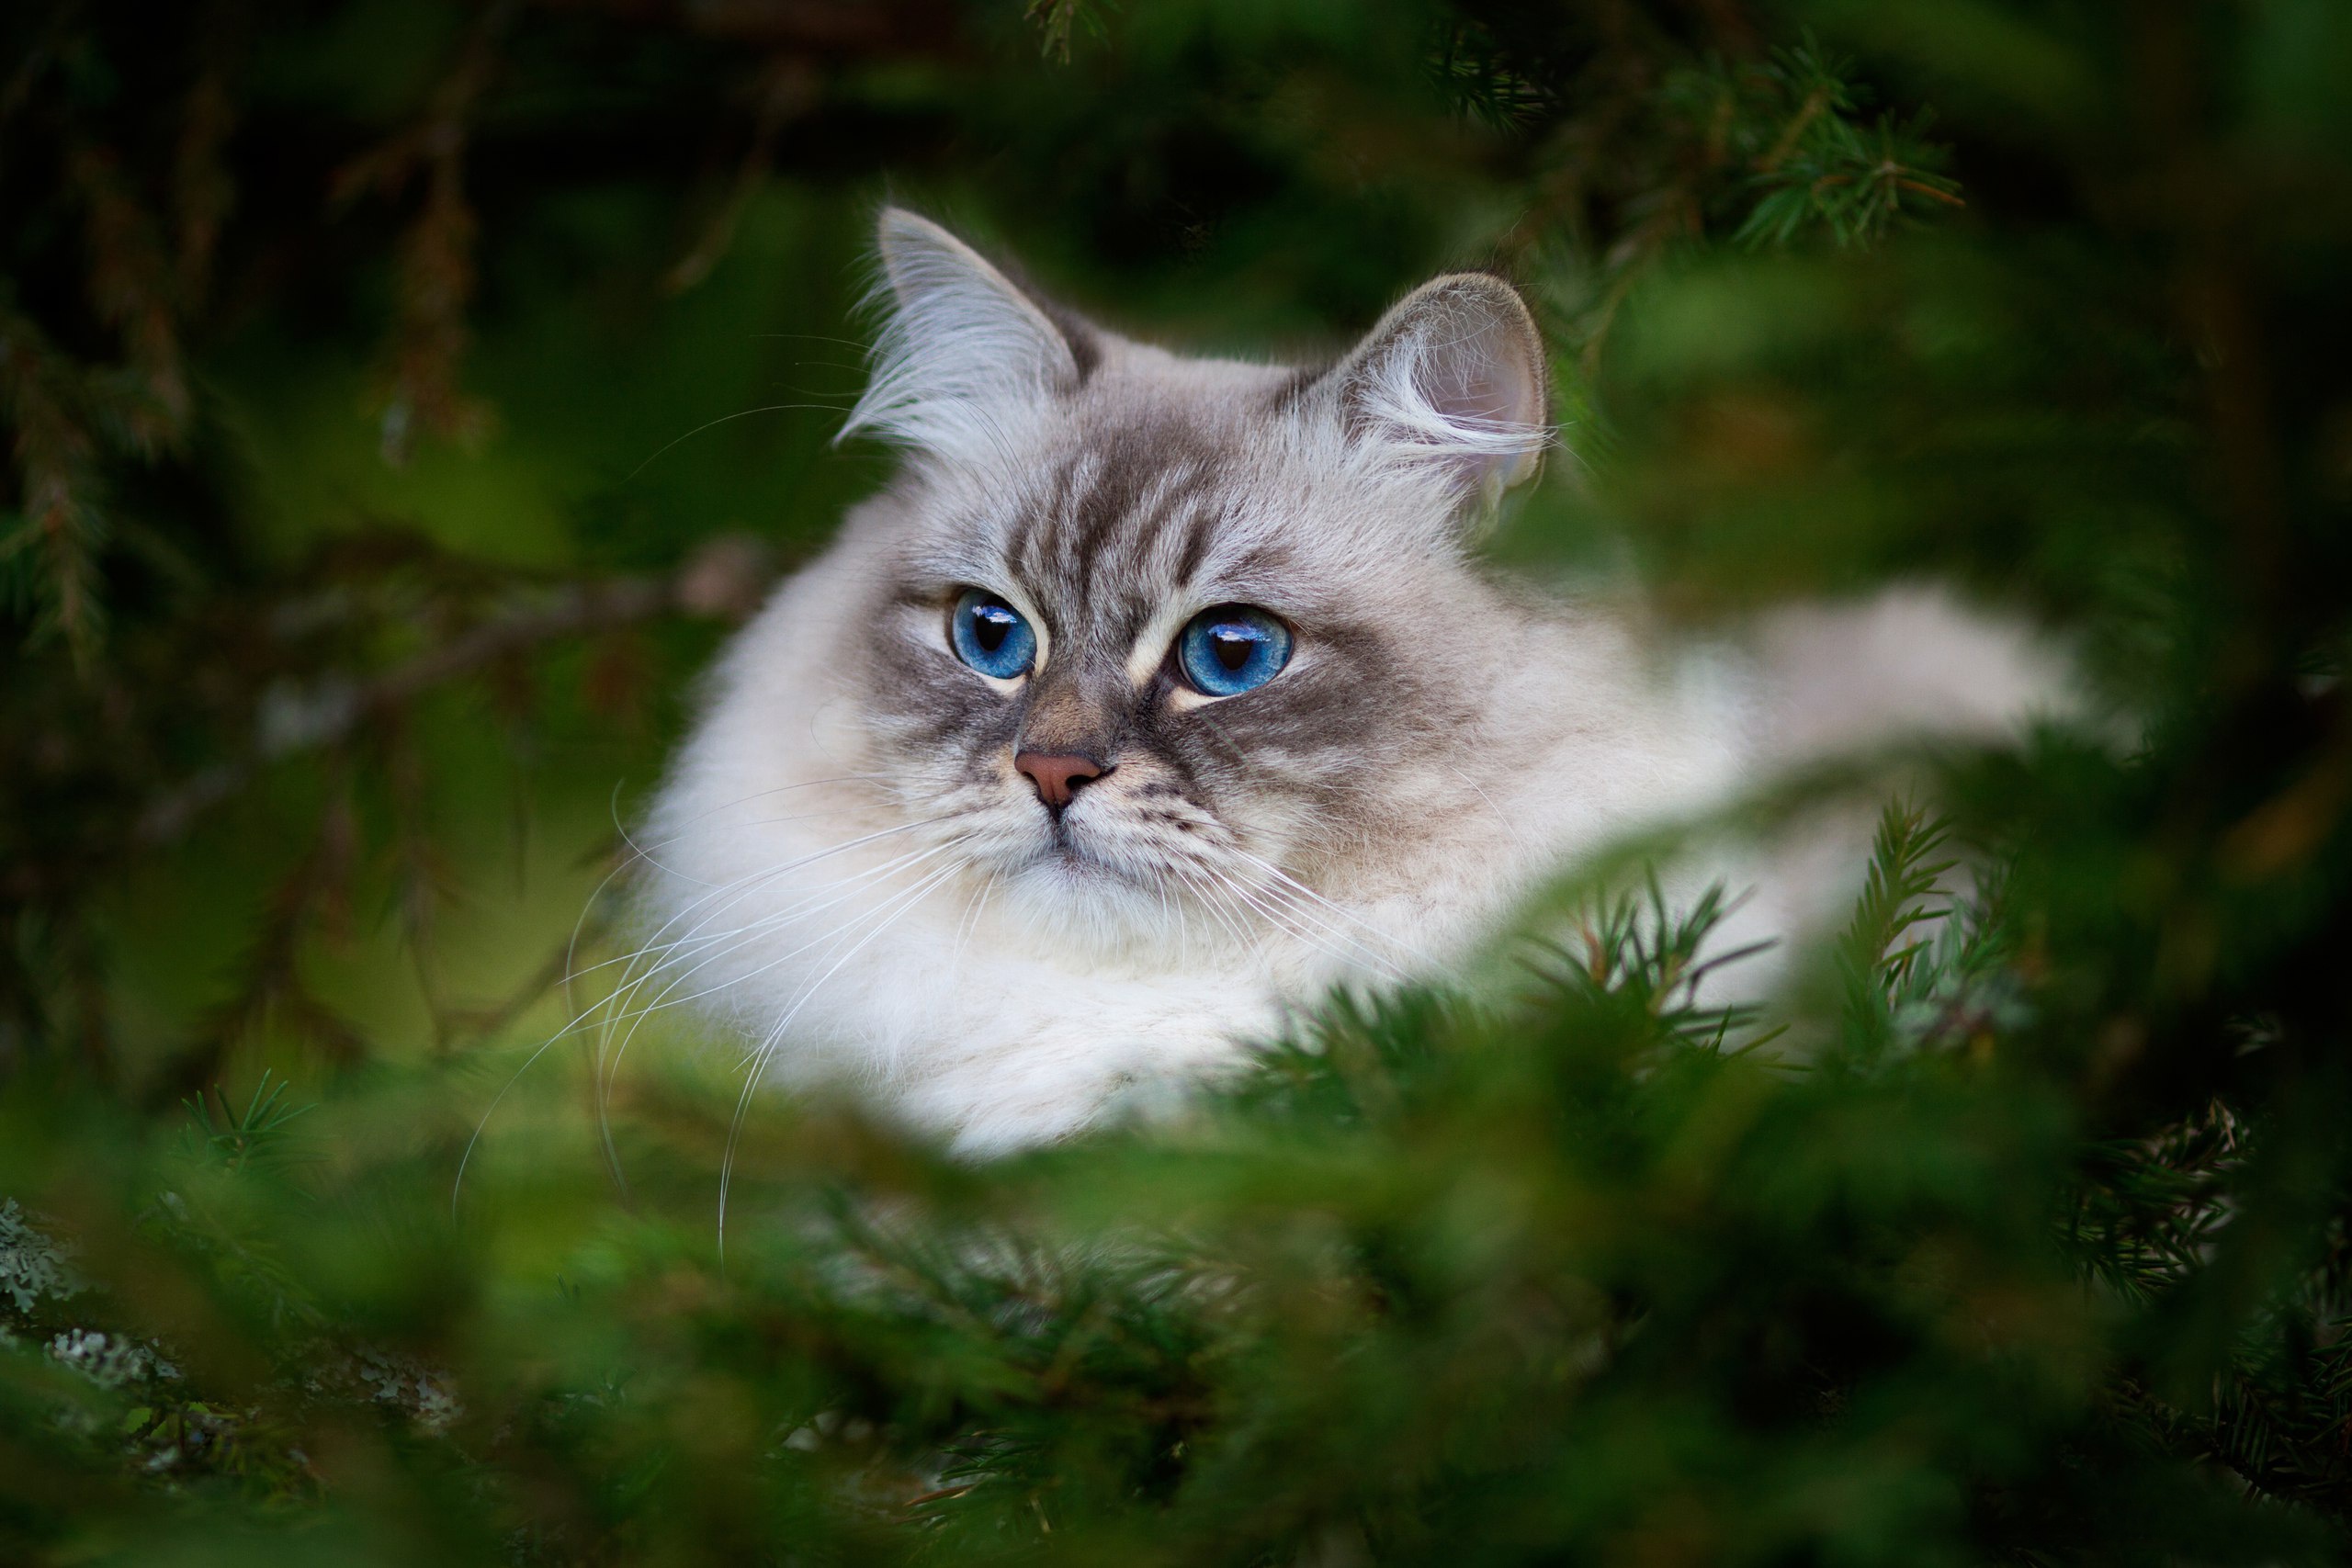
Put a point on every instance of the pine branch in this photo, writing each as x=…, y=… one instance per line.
x=435, y=270
x=51, y=549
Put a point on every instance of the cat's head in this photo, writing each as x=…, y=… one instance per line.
x=1152, y=631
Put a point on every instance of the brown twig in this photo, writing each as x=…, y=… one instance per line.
x=436, y=272
x=1807, y=112
x=54, y=453
x=721, y=581
x=788, y=89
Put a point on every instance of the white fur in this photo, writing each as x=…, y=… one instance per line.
x=962, y=354
x=862, y=915
x=1442, y=380
x=968, y=1018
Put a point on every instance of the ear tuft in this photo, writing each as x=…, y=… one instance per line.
x=1453, y=378
x=962, y=353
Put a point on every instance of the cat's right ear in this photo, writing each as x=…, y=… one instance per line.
x=963, y=351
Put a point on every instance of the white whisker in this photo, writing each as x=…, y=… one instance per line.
x=1204, y=882
x=1275, y=916
x=1300, y=888
x=966, y=925
x=604, y=1016
x=636, y=1016
x=761, y=1056
x=752, y=878
x=1282, y=897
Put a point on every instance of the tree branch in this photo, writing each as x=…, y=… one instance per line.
x=724, y=580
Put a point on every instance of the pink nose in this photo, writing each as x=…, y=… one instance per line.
x=1057, y=777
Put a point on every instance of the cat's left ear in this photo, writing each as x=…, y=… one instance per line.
x=1454, y=379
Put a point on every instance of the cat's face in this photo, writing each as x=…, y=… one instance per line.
x=1134, y=669
x=1153, y=634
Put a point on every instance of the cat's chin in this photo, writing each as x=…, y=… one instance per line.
x=1077, y=901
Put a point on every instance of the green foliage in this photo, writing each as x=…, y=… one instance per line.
x=1056, y=20
x=1442, y=1278
x=1824, y=166
x=394, y=396
x=236, y=1138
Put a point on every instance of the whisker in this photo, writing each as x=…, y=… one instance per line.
x=709, y=906
x=1275, y=892
x=1218, y=913
x=740, y=936
x=1511, y=829
x=903, y=899
x=1167, y=910
x=743, y=883
x=740, y=888
x=572, y=974
x=635, y=1018
x=614, y=1009
x=456, y=1186
x=775, y=1036
x=724, y=419
x=1300, y=888
x=640, y=853
x=458, y=1182
x=967, y=925
x=1275, y=916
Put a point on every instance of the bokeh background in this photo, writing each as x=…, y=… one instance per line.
x=400, y=400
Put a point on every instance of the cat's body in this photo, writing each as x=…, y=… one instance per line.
x=1006, y=904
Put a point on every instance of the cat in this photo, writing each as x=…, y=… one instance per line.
x=1157, y=695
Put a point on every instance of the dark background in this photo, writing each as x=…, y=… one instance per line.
x=399, y=400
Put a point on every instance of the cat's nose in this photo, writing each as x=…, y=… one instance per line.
x=1057, y=775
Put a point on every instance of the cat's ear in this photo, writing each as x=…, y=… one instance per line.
x=1454, y=379
x=963, y=349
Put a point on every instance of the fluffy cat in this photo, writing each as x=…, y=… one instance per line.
x=1158, y=694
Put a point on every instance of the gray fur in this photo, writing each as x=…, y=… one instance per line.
x=1437, y=744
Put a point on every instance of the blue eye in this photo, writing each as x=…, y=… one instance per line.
x=1231, y=649
x=990, y=635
